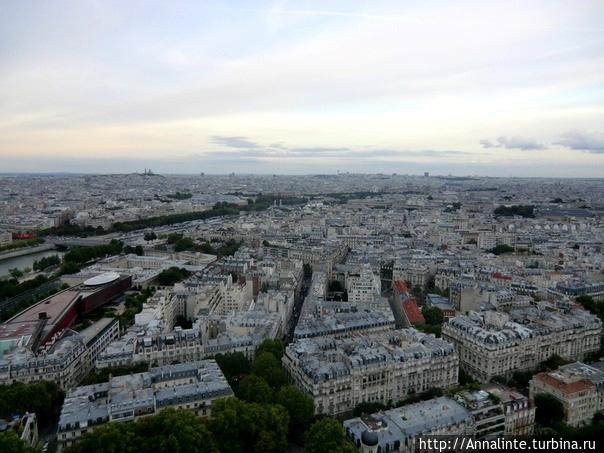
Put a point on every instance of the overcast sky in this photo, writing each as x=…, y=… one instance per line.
x=468, y=87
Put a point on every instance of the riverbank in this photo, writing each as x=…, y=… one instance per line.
x=25, y=251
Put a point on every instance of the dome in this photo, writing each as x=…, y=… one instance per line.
x=102, y=279
x=369, y=438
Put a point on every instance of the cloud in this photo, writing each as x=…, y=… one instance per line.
x=525, y=144
x=340, y=153
x=234, y=142
x=592, y=142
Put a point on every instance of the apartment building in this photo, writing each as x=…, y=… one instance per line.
x=365, y=287
x=399, y=430
x=493, y=343
x=578, y=386
x=192, y=386
x=578, y=395
x=385, y=367
x=65, y=360
x=519, y=410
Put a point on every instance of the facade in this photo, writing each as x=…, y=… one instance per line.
x=518, y=409
x=192, y=386
x=6, y=238
x=365, y=287
x=65, y=360
x=400, y=429
x=339, y=373
x=488, y=414
x=578, y=386
x=578, y=395
x=493, y=343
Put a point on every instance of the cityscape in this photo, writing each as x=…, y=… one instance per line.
x=290, y=226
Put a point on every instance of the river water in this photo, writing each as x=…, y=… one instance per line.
x=21, y=262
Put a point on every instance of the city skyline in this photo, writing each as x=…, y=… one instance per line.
x=504, y=89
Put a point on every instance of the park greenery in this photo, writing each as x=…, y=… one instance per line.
x=180, y=195
x=169, y=277
x=134, y=304
x=434, y=321
x=501, y=249
x=170, y=431
x=182, y=244
x=526, y=211
x=11, y=443
x=44, y=398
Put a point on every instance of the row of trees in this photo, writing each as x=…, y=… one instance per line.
x=46, y=262
x=82, y=255
x=260, y=202
x=138, y=250
x=44, y=398
x=12, y=287
x=21, y=244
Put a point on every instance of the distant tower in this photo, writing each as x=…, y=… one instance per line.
x=426, y=174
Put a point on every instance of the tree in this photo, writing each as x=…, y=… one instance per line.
x=520, y=210
x=170, y=431
x=265, y=361
x=233, y=365
x=552, y=363
x=173, y=237
x=15, y=273
x=549, y=411
x=11, y=443
x=268, y=367
x=68, y=268
x=109, y=438
x=44, y=398
x=174, y=430
x=168, y=277
x=275, y=347
x=150, y=236
x=433, y=315
x=139, y=250
x=254, y=389
x=501, y=249
x=327, y=436
x=307, y=270
x=239, y=426
x=367, y=408
x=301, y=410
x=184, y=244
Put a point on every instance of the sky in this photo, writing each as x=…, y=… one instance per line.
x=496, y=88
